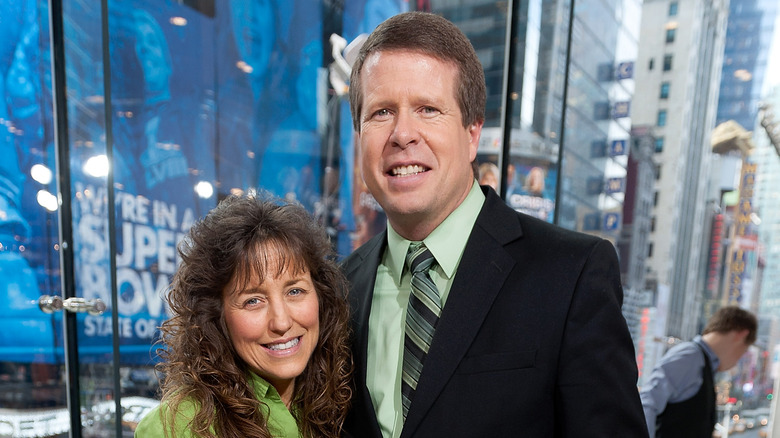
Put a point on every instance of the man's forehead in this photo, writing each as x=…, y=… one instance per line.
x=375, y=57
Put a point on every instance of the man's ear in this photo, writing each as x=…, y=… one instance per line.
x=474, y=131
x=742, y=334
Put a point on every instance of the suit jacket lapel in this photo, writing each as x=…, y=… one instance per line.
x=362, y=275
x=361, y=272
x=480, y=276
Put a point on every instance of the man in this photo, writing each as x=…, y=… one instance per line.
x=515, y=329
x=679, y=400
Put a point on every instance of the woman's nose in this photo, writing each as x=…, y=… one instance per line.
x=279, y=318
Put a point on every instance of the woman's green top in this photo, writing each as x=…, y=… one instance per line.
x=281, y=423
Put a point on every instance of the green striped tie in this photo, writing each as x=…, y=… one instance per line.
x=421, y=318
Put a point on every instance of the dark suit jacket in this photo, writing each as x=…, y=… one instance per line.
x=531, y=341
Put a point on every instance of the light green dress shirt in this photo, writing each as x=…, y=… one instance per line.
x=281, y=422
x=391, y=296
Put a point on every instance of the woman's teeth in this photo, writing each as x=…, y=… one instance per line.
x=290, y=344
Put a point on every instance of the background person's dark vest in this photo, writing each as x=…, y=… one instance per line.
x=692, y=418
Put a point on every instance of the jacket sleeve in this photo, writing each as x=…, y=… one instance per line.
x=152, y=426
x=597, y=392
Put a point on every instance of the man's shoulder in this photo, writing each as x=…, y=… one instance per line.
x=499, y=216
x=684, y=351
x=544, y=238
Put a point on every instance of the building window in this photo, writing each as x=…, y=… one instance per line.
x=667, y=62
x=661, y=118
x=664, y=90
x=650, y=250
x=672, y=9
x=651, y=64
x=659, y=145
x=657, y=177
x=670, y=35
x=652, y=224
x=601, y=110
x=655, y=199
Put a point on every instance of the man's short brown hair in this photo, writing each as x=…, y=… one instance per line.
x=431, y=35
x=733, y=318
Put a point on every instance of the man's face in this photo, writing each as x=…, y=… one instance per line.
x=416, y=154
x=737, y=349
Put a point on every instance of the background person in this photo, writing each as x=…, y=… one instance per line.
x=489, y=175
x=534, y=181
x=530, y=339
x=257, y=346
x=679, y=399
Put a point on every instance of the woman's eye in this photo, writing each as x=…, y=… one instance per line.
x=295, y=292
x=251, y=302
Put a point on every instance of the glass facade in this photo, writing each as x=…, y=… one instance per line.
x=597, y=121
x=748, y=37
x=123, y=122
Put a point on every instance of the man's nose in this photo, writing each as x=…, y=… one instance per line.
x=405, y=131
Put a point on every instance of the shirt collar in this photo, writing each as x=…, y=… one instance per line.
x=446, y=242
x=714, y=361
x=261, y=387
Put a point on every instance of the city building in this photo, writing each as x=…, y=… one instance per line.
x=679, y=63
x=767, y=201
x=748, y=39
x=633, y=244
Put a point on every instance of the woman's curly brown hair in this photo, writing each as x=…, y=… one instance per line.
x=200, y=363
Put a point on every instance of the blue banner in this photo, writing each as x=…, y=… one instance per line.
x=615, y=185
x=621, y=109
x=206, y=99
x=625, y=70
x=618, y=147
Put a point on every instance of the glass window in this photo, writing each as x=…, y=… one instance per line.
x=651, y=64
x=211, y=98
x=664, y=90
x=659, y=145
x=670, y=33
x=661, y=118
x=673, y=9
x=206, y=99
x=667, y=62
x=601, y=110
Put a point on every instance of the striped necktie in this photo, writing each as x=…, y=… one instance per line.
x=422, y=315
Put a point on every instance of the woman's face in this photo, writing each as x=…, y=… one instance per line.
x=489, y=178
x=536, y=180
x=274, y=325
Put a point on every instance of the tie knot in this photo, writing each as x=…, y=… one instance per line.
x=419, y=258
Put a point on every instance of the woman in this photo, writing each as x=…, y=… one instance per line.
x=257, y=345
x=488, y=175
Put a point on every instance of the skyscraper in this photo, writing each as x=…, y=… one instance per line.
x=679, y=63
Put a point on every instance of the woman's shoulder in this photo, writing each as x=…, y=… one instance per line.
x=158, y=420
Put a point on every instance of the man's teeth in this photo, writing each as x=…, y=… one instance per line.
x=412, y=169
x=276, y=347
